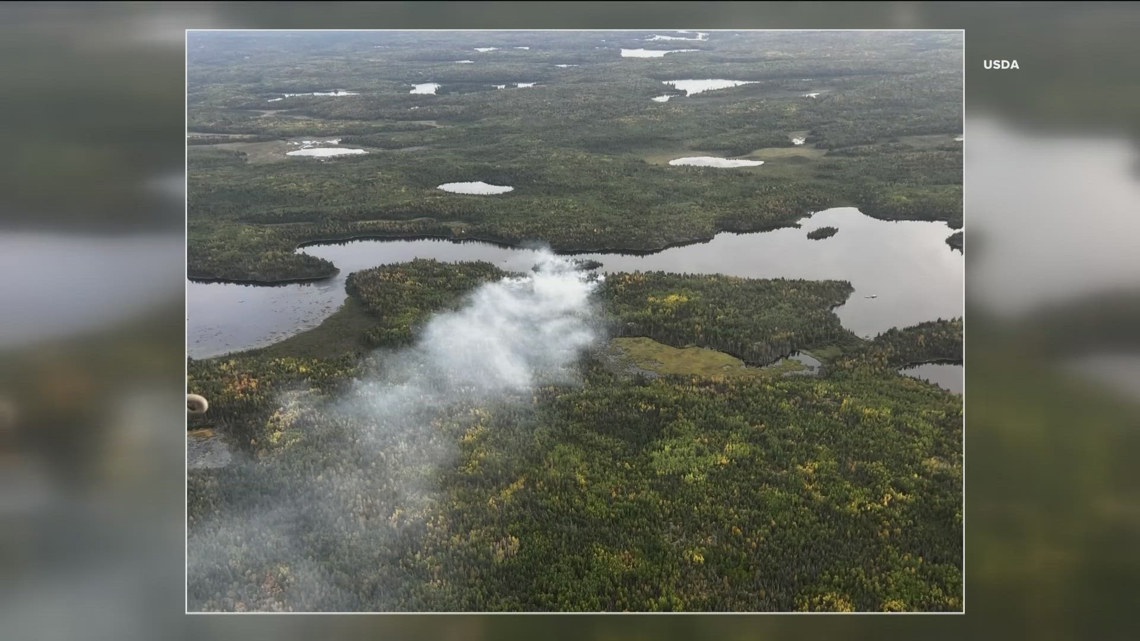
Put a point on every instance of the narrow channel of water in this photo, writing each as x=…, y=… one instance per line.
x=810, y=363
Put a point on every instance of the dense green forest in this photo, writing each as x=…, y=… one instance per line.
x=757, y=321
x=402, y=297
x=932, y=341
x=679, y=494
x=585, y=146
x=623, y=492
x=822, y=232
x=955, y=240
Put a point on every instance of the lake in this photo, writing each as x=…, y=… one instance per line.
x=948, y=376
x=325, y=152
x=651, y=53
x=480, y=188
x=701, y=35
x=334, y=92
x=693, y=87
x=907, y=266
x=713, y=161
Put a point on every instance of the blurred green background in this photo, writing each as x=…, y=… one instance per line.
x=91, y=412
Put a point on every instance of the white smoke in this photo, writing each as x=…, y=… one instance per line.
x=508, y=335
x=397, y=429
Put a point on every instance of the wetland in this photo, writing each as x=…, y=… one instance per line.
x=508, y=354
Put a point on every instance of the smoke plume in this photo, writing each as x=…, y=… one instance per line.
x=351, y=481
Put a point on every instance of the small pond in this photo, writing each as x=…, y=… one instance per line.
x=810, y=363
x=701, y=35
x=335, y=92
x=651, y=53
x=713, y=161
x=325, y=152
x=945, y=375
x=480, y=188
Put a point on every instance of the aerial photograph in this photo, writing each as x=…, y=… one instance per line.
x=574, y=321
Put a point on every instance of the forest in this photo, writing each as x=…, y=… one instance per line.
x=955, y=240
x=757, y=321
x=931, y=341
x=685, y=461
x=823, y=232
x=623, y=492
x=587, y=146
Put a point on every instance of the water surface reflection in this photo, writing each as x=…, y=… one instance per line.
x=903, y=274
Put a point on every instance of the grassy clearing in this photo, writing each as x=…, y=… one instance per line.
x=780, y=153
x=648, y=354
x=260, y=152
x=826, y=354
x=934, y=141
x=663, y=156
x=231, y=137
x=202, y=434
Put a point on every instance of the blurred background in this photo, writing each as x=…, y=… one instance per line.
x=92, y=322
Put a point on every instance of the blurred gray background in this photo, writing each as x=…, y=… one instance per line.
x=92, y=332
